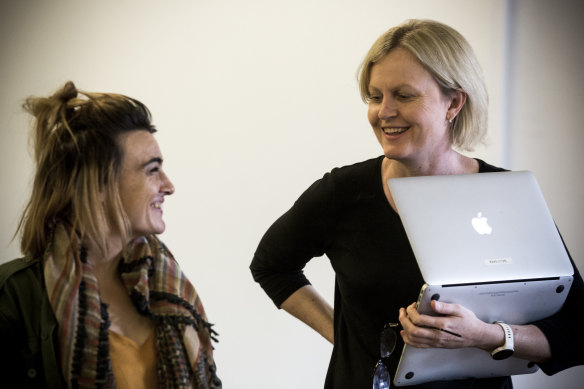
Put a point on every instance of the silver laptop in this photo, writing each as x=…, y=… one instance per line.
x=488, y=242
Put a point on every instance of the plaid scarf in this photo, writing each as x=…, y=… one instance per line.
x=158, y=289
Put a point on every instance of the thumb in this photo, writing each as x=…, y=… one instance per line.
x=443, y=308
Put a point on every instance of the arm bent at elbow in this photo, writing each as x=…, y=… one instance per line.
x=307, y=305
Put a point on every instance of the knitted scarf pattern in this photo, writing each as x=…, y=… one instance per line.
x=158, y=289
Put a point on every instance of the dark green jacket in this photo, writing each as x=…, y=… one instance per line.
x=28, y=328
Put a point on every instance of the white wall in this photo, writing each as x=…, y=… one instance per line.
x=254, y=100
x=545, y=135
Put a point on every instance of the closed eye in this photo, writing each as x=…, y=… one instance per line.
x=153, y=165
x=403, y=96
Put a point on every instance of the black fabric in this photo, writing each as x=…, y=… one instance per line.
x=346, y=216
x=28, y=328
x=564, y=330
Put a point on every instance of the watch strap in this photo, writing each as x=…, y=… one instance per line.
x=506, y=350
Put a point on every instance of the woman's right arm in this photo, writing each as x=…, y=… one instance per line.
x=307, y=305
x=302, y=233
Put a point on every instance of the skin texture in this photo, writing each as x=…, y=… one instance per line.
x=529, y=342
x=308, y=305
x=143, y=183
x=408, y=112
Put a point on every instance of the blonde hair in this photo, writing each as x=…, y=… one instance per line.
x=449, y=58
x=78, y=156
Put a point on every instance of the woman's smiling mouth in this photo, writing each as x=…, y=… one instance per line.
x=394, y=130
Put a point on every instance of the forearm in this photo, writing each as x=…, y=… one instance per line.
x=307, y=305
x=529, y=342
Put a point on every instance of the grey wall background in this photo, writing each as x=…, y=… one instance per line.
x=255, y=100
x=543, y=133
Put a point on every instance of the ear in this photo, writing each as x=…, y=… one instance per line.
x=457, y=100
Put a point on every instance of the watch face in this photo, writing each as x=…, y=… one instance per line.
x=503, y=354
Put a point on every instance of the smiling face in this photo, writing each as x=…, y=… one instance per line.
x=143, y=184
x=407, y=109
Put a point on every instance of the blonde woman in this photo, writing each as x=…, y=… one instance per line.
x=427, y=101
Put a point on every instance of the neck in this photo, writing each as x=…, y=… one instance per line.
x=442, y=164
x=450, y=163
x=104, y=263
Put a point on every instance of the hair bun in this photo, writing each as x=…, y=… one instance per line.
x=68, y=92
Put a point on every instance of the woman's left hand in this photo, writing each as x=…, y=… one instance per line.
x=454, y=327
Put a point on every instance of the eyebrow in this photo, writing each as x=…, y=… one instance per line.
x=153, y=160
x=396, y=87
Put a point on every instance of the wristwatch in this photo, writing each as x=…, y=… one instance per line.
x=506, y=350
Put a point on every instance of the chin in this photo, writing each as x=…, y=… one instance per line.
x=390, y=155
x=159, y=230
x=396, y=153
x=150, y=231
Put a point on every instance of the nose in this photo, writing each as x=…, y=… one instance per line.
x=387, y=108
x=167, y=186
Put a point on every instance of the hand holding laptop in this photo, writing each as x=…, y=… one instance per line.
x=454, y=327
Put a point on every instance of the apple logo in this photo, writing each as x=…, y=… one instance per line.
x=480, y=224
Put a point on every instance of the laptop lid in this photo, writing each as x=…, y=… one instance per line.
x=480, y=227
x=487, y=242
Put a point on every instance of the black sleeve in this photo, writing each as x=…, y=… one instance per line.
x=299, y=235
x=21, y=360
x=564, y=330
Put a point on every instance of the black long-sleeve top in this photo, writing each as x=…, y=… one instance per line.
x=346, y=216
